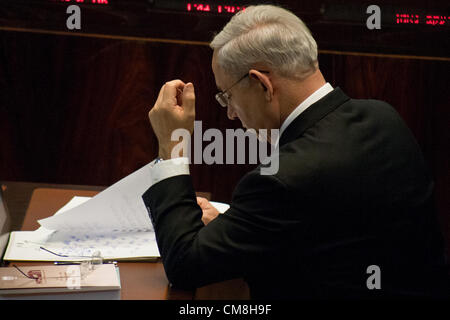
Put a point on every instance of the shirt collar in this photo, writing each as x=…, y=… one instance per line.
x=316, y=96
x=313, y=98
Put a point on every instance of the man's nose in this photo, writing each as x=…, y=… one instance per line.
x=231, y=113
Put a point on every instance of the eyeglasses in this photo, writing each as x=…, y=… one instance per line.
x=94, y=259
x=30, y=275
x=223, y=97
x=86, y=266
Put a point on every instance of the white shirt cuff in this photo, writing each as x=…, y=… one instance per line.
x=168, y=168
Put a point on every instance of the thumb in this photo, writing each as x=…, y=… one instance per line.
x=202, y=202
x=189, y=97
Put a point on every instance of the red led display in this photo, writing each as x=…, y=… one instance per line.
x=410, y=18
x=404, y=18
x=85, y=1
x=436, y=20
x=207, y=7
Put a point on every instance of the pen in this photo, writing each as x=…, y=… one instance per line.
x=62, y=263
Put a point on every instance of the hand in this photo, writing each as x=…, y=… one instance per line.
x=209, y=212
x=174, y=109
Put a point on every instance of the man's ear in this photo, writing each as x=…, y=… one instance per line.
x=264, y=82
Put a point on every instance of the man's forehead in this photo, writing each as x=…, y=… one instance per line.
x=217, y=70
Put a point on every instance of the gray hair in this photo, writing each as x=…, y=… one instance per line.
x=266, y=34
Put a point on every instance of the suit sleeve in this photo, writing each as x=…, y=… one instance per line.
x=250, y=232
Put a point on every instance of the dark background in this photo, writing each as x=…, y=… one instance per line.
x=74, y=104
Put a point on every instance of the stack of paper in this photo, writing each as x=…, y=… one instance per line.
x=114, y=222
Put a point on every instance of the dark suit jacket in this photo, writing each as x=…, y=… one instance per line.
x=352, y=191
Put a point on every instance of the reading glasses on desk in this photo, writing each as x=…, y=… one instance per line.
x=86, y=266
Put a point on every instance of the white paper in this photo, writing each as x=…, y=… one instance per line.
x=119, y=208
x=74, y=202
x=114, y=222
x=79, y=246
x=26, y=246
x=221, y=207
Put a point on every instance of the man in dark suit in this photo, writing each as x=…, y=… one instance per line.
x=349, y=212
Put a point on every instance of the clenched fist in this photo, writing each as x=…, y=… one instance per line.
x=174, y=109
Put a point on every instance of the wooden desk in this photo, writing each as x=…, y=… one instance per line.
x=140, y=280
